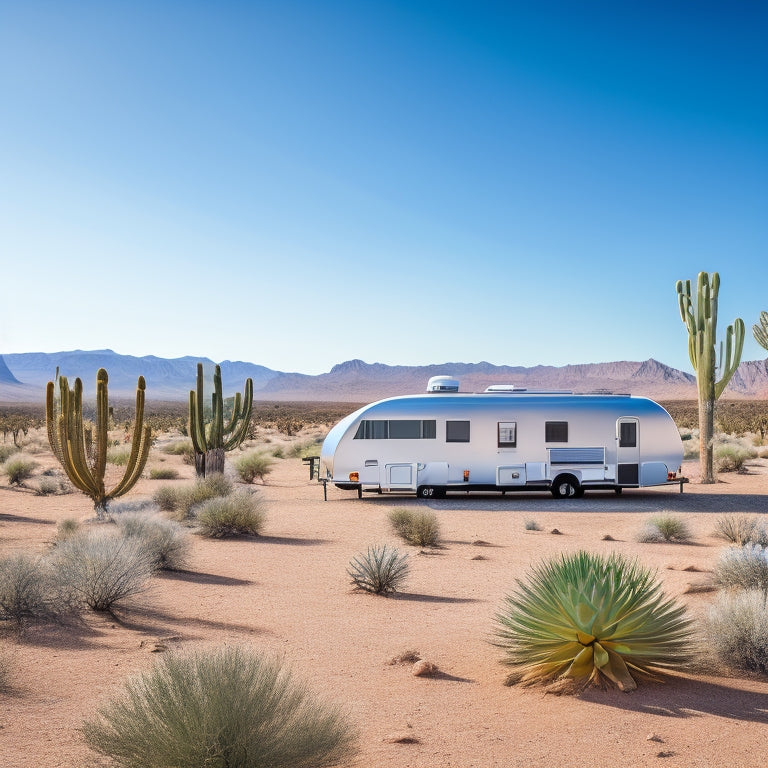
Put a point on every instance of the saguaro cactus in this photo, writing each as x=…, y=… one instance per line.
x=700, y=318
x=760, y=332
x=211, y=442
x=82, y=453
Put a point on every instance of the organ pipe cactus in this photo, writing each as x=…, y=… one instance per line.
x=583, y=619
x=760, y=332
x=213, y=440
x=82, y=450
x=700, y=318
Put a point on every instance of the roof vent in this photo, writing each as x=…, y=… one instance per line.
x=443, y=384
x=504, y=388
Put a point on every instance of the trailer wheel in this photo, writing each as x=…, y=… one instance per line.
x=566, y=487
x=618, y=491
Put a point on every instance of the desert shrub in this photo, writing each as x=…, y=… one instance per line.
x=18, y=468
x=166, y=540
x=26, y=589
x=665, y=527
x=738, y=630
x=743, y=567
x=228, y=707
x=303, y=449
x=117, y=508
x=731, y=458
x=381, y=570
x=582, y=618
x=99, y=568
x=741, y=529
x=47, y=487
x=181, y=502
x=6, y=451
x=252, y=465
x=179, y=448
x=119, y=455
x=66, y=528
x=419, y=527
x=237, y=515
x=691, y=449
x=278, y=452
x=531, y=525
x=163, y=473
x=166, y=497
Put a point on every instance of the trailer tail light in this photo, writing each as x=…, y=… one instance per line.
x=466, y=475
x=354, y=477
x=671, y=476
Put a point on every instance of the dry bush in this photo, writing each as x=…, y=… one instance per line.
x=228, y=707
x=118, y=455
x=381, y=570
x=417, y=527
x=163, y=473
x=741, y=529
x=181, y=448
x=252, y=465
x=6, y=451
x=181, y=502
x=47, y=487
x=99, y=568
x=665, y=528
x=18, y=468
x=738, y=630
x=240, y=514
x=743, y=567
x=730, y=457
x=166, y=540
x=27, y=591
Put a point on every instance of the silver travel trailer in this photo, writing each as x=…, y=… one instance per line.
x=504, y=439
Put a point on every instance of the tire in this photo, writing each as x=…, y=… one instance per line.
x=566, y=487
x=618, y=491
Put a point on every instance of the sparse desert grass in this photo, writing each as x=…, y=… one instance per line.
x=178, y=448
x=6, y=451
x=119, y=455
x=163, y=473
x=99, y=568
x=417, y=527
x=741, y=529
x=738, y=630
x=228, y=707
x=381, y=569
x=531, y=525
x=279, y=452
x=665, y=527
x=304, y=448
x=18, y=468
x=180, y=502
x=582, y=618
x=26, y=589
x=743, y=567
x=47, y=486
x=239, y=514
x=252, y=465
x=66, y=528
x=165, y=539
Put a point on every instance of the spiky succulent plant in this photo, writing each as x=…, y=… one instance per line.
x=590, y=619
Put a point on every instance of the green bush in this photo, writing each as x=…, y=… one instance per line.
x=166, y=540
x=99, y=568
x=163, y=473
x=26, y=590
x=419, y=527
x=381, y=570
x=304, y=449
x=665, y=528
x=181, y=502
x=738, y=630
x=18, y=468
x=743, y=567
x=583, y=618
x=237, y=515
x=179, y=448
x=166, y=497
x=278, y=452
x=119, y=455
x=731, y=458
x=226, y=708
x=252, y=465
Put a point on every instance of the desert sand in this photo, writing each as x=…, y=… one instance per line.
x=287, y=593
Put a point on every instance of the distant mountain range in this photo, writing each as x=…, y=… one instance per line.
x=23, y=377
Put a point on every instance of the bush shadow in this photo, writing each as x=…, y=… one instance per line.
x=198, y=577
x=419, y=598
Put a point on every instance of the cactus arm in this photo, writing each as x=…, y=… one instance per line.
x=51, y=421
x=734, y=344
x=232, y=423
x=102, y=424
x=760, y=332
x=217, y=423
x=244, y=418
x=196, y=414
x=140, y=445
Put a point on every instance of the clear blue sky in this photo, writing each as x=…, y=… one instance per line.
x=300, y=183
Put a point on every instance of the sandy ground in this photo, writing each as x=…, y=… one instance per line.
x=287, y=593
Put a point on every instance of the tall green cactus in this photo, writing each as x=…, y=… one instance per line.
x=700, y=318
x=212, y=441
x=69, y=439
x=760, y=332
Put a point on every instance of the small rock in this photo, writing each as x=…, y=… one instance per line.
x=692, y=569
x=654, y=737
x=665, y=753
x=481, y=543
x=401, y=738
x=693, y=589
x=406, y=657
x=423, y=668
x=555, y=532
x=478, y=557
x=608, y=537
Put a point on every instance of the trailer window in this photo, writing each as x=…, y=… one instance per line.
x=507, y=434
x=396, y=429
x=628, y=434
x=456, y=431
x=556, y=431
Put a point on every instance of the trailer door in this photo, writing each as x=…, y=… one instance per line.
x=627, y=451
x=400, y=477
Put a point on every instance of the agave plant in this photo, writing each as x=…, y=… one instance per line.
x=587, y=619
